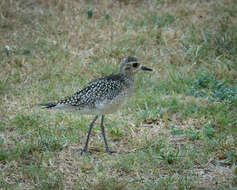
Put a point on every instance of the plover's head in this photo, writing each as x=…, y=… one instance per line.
x=130, y=65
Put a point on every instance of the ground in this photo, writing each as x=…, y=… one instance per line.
x=179, y=129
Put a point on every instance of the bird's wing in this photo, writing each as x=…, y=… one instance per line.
x=97, y=90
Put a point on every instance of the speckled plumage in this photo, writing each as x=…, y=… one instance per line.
x=102, y=96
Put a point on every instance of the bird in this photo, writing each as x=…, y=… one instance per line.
x=102, y=96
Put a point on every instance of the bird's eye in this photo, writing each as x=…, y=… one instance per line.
x=135, y=65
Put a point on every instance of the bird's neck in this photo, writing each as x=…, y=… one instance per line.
x=130, y=78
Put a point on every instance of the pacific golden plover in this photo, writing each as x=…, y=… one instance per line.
x=102, y=96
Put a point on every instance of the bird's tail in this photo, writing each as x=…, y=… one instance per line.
x=48, y=105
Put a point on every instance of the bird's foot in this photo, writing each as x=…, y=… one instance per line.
x=83, y=151
x=110, y=151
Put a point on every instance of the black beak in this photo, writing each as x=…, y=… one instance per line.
x=146, y=69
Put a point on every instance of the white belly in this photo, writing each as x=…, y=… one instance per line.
x=108, y=106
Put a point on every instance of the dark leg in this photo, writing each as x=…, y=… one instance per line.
x=84, y=150
x=103, y=134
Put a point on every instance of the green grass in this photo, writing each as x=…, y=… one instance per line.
x=178, y=131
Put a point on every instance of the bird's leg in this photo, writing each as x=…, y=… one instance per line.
x=84, y=150
x=104, y=137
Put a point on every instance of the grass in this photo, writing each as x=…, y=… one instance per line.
x=178, y=131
